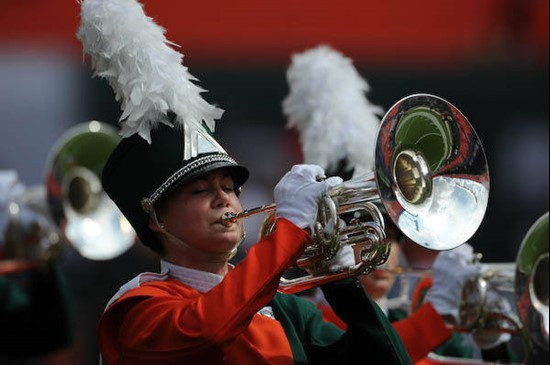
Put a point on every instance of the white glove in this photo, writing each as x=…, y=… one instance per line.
x=297, y=194
x=344, y=258
x=495, y=302
x=450, y=270
x=10, y=188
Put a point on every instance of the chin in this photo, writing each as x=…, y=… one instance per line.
x=377, y=290
x=228, y=242
x=382, y=292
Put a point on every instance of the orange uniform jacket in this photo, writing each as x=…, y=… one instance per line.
x=167, y=322
x=422, y=332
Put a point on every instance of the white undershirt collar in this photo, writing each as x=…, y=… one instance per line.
x=383, y=304
x=202, y=281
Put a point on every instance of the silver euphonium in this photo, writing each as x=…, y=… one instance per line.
x=531, y=282
x=431, y=177
x=70, y=207
x=28, y=236
x=87, y=218
x=524, y=282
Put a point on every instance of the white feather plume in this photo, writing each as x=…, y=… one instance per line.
x=131, y=52
x=327, y=104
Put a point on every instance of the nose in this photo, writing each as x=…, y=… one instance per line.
x=221, y=199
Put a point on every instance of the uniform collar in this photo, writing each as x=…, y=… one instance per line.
x=383, y=304
x=202, y=281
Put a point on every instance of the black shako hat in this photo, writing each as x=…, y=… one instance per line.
x=138, y=173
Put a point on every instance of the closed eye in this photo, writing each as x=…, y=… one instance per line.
x=198, y=191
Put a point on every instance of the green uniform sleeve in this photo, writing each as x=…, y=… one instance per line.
x=36, y=313
x=369, y=336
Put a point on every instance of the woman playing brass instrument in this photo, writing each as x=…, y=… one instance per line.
x=174, y=183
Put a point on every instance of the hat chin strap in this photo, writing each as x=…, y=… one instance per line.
x=205, y=256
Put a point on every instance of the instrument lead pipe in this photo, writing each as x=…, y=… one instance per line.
x=230, y=218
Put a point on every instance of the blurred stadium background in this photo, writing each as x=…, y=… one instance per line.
x=489, y=58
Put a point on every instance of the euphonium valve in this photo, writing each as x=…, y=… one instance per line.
x=527, y=279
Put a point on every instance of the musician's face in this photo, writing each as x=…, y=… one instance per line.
x=193, y=213
x=379, y=282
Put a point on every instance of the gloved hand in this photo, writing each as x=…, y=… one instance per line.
x=344, y=258
x=10, y=188
x=298, y=192
x=495, y=303
x=450, y=270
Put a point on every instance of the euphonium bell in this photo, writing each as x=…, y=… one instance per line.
x=87, y=217
x=431, y=172
x=531, y=282
x=431, y=177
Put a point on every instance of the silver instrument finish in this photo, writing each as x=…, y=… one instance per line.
x=431, y=177
x=87, y=217
x=531, y=282
x=527, y=279
x=431, y=172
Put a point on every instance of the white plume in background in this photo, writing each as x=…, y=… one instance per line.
x=328, y=106
x=147, y=75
